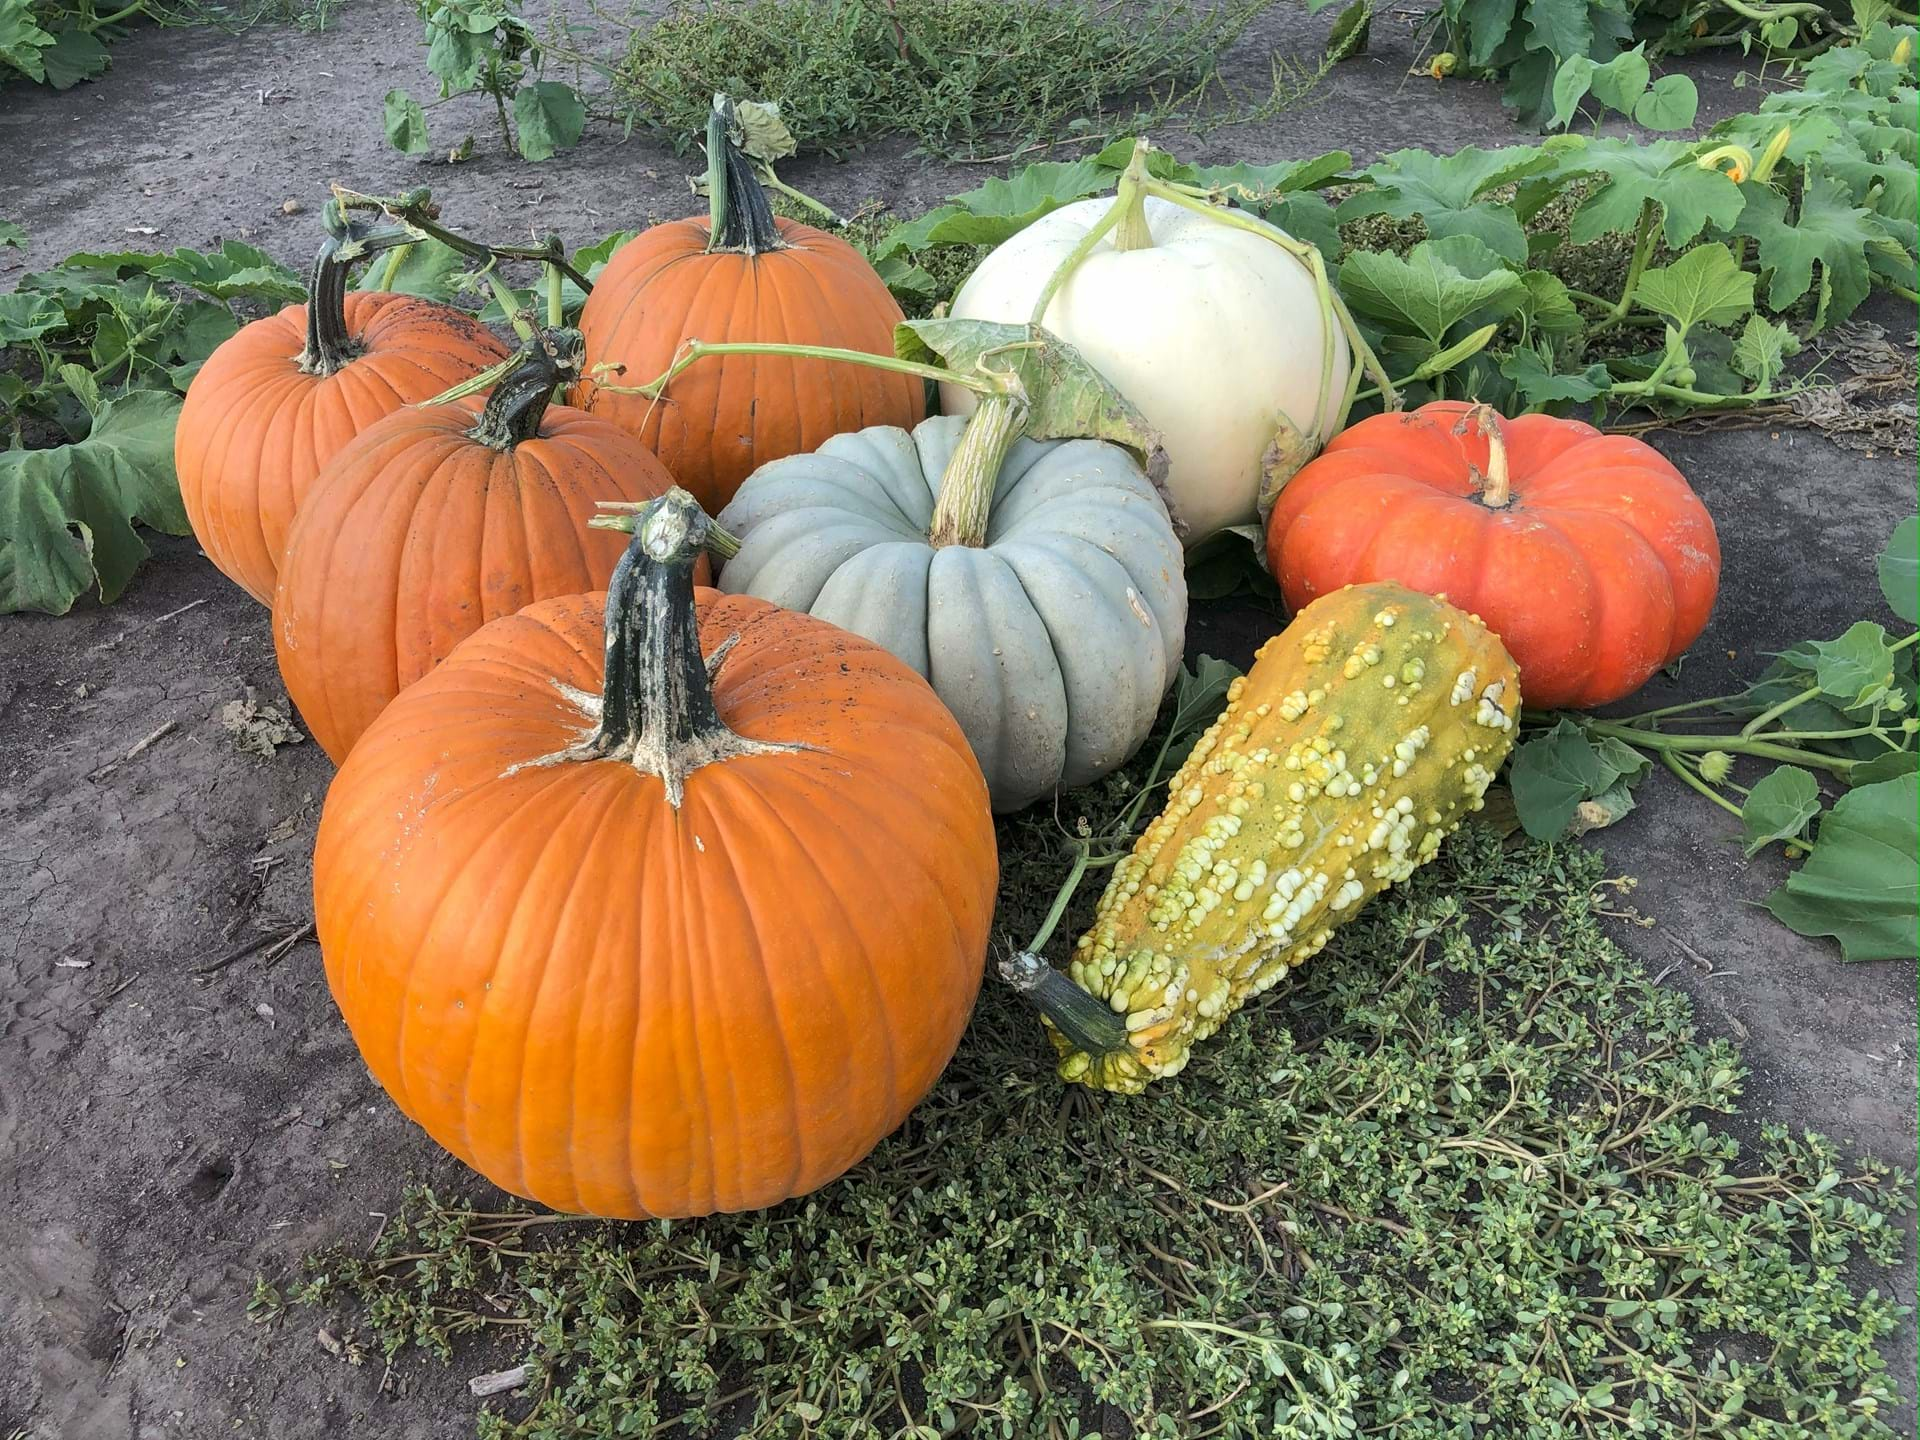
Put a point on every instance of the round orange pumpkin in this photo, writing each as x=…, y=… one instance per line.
x=665, y=935
x=740, y=275
x=1588, y=554
x=433, y=522
x=279, y=399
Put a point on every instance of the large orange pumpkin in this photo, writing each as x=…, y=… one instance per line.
x=740, y=275
x=434, y=522
x=1588, y=554
x=667, y=935
x=279, y=399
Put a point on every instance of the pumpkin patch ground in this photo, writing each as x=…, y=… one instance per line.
x=185, y=1122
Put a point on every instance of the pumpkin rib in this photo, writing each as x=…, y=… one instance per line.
x=787, y=1059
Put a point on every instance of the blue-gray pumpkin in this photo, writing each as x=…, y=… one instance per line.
x=1037, y=584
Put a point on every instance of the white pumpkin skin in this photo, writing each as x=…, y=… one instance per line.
x=1214, y=333
x=1053, y=643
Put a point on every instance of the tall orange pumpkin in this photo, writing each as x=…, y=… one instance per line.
x=433, y=522
x=660, y=935
x=279, y=399
x=741, y=274
x=1587, y=554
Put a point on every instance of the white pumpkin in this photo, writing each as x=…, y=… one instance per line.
x=1214, y=333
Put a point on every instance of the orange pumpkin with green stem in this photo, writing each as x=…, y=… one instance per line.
x=1588, y=554
x=740, y=274
x=659, y=902
x=275, y=402
x=436, y=521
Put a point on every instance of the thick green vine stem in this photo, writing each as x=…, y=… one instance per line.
x=965, y=506
x=417, y=211
x=1088, y=1022
x=519, y=402
x=349, y=240
x=656, y=707
x=739, y=219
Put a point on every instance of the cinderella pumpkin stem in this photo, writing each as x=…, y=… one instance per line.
x=349, y=241
x=965, y=505
x=656, y=702
x=1497, y=492
x=519, y=402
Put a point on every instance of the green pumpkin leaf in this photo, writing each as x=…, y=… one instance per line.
x=1779, y=807
x=547, y=117
x=1066, y=397
x=1670, y=105
x=1661, y=172
x=75, y=55
x=1563, y=28
x=427, y=267
x=1570, y=85
x=1857, y=669
x=455, y=56
x=1899, y=570
x=1427, y=292
x=1861, y=885
x=763, y=135
x=1199, y=695
x=1705, y=286
x=1829, y=231
x=1444, y=192
x=1622, y=80
x=1541, y=386
x=1001, y=208
x=1760, y=352
x=12, y=237
x=67, y=514
x=406, y=123
x=1553, y=774
x=1889, y=766
x=23, y=44
x=1255, y=185
x=26, y=316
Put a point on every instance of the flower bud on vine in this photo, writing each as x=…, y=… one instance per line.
x=1716, y=765
x=1770, y=158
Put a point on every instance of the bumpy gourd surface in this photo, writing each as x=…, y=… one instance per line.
x=1362, y=734
x=1053, y=643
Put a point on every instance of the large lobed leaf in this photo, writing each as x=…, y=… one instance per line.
x=67, y=514
x=1862, y=883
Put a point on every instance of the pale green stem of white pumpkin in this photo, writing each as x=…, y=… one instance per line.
x=1126, y=219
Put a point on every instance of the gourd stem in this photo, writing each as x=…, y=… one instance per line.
x=657, y=708
x=519, y=402
x=418, y=212
x=739, y=219
x=1088, y=1022
x=328, y=345
x=967, y=485
x=1497, y=491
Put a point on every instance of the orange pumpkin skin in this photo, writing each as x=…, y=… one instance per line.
x=257, y=428
x=1602, y=567
x=614, y=1006
x=420, y=532
x=732, y=414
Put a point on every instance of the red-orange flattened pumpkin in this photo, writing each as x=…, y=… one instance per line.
x=278, y=400
x=1587, y=554
x=741, y=275
x=635, y=941
x=434, y=522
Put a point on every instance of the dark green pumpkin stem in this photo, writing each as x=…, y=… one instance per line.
x=349, y=241
x=656, y=706
x=519, y=402
x=1087, y=1021
x=738, y=215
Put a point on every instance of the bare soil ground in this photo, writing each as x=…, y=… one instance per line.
x=171, y=1124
